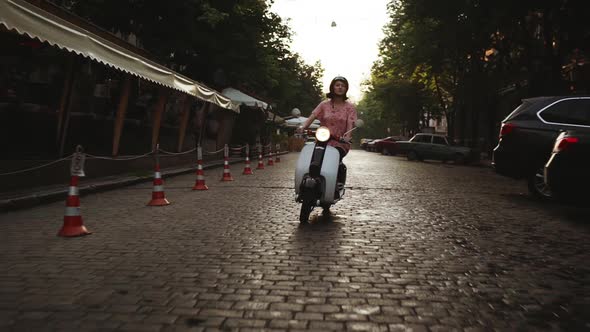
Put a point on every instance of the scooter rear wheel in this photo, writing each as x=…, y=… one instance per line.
x=306, y=208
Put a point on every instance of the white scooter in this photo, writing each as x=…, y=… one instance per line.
x=316, y=173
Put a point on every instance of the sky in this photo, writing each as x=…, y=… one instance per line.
x=349, y=49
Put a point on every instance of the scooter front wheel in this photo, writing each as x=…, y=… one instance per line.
x=306, y=208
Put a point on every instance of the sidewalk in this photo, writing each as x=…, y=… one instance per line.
x=45, y=194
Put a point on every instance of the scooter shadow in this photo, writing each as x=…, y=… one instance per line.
x=324, y=221
x=316, y=241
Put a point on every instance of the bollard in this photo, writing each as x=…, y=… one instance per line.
x=73, y=224
x=277, y=157
x=260, y=161
x=270, y=161
x=158, y=195
x=226, y=173
x=247, y=169
x=200, y=183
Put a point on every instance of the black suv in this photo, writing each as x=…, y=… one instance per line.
x=528, y=134
x=567, y=171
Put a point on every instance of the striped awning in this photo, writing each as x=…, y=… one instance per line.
x=28, y=19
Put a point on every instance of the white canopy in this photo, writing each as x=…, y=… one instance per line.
x=240, y=98
x=35, y=22
x=298, y=121
x=272, y=117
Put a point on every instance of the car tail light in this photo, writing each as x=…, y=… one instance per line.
x=506, y=129
x=564, y=143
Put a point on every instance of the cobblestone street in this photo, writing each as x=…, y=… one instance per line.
x=414, y=246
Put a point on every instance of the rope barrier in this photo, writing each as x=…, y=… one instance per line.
x=37, y=167
x=214, y=152
x=118, y=158
x=125, y=158
x=177, y=153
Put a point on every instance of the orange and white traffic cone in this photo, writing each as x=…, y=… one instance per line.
x=73, y=225
x=226, y=173
x=277, y=158
x=200, y=183
x=158, y=196
x=270, y=162
x=247, y=169
x=260, y=161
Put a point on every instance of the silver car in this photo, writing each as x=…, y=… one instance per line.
x=437, y=147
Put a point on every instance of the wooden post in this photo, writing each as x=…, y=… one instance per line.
x=157, y=115
x=200, y=119
x=65, y=96
x=121, y=111
x=226, y=122
x=185, y=114
x=64, y=124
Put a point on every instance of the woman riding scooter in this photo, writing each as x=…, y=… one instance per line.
x=339, y=116
x=320, y=174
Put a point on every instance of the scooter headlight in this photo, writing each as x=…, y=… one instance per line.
x=322, y=134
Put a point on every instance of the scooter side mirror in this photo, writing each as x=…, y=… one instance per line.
x=357, y=124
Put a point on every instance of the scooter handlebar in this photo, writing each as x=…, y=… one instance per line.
x=340, y=139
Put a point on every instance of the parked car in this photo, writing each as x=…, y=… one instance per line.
x=364, y=142
x=567, y=173
x=528, y=134
x=386, y=145
x=437, y=147
x=371, y=146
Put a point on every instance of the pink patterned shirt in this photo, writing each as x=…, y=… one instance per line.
x=338, y=118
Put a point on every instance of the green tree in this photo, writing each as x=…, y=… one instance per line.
x=466, y=56
x=222, y=43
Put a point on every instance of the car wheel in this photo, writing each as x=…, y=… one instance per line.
x=412, y=155
x=459, y=159
x=385, y=152
x=537, y=186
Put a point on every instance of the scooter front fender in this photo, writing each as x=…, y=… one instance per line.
x=329, y=170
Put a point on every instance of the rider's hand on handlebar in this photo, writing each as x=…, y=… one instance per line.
x=344, y=140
